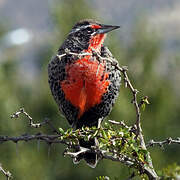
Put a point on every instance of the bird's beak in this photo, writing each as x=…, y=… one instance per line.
x=106, y=28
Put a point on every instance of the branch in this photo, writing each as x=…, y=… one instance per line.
x=119, y=158
x=103, y=155
x=6, y=173
x=55, y=139
x=31, y=123
x=27, y=137
x=168, y=141
x=120, y=123
x=22, y=111
x=149, y=170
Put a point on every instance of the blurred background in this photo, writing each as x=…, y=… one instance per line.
x=148, y=42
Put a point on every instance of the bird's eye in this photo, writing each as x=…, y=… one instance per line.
x=89, y=30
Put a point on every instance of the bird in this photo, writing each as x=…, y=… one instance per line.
x=85, y=87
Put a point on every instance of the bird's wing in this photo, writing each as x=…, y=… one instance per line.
x=105, y=52
x=57, y=73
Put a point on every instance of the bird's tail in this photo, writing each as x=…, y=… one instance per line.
x=91, y=158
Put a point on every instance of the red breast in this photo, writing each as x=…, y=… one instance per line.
x=85, y=84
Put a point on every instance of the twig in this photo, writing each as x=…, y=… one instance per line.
x=120, y=123
x=6, y=173
x=117, y=157
x=31, y=123
x=148, y=169
x=103, y=154
x=22, y=111
x=168, y=141
x=39, y=136
x=76, y=154
x=71, y=53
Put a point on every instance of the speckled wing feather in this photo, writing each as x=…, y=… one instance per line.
x=56, y=73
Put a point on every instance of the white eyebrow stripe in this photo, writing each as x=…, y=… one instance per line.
x=78, y=29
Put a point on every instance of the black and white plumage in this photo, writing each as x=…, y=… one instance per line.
x=68, y=70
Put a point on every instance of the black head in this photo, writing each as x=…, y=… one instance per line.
x=86, y=29
x=91, y=27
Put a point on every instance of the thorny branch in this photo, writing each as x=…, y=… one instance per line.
x=31, y=123
x=167, y=141
x=149, y=170
x=27, y=137
x=34, y=125
x=55, y=139
x=6, y=173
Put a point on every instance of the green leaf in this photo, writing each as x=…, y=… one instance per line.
x=143, y=106
x=95, y=133
x=61, y=131
x=109, y=135
x=104, y=134
x=143, y=102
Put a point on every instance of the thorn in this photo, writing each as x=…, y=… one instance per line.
x=126, y=82
x=169, y=140
x=161, y=145
x=49, y=149
x=65, y=151
x=133, y=101
x=21, y=110
x=125, y=68
x=17, y=149
x=135, y=91
x=114, y=63
x=38, y=144
x=151, y=142
x=67, y=51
